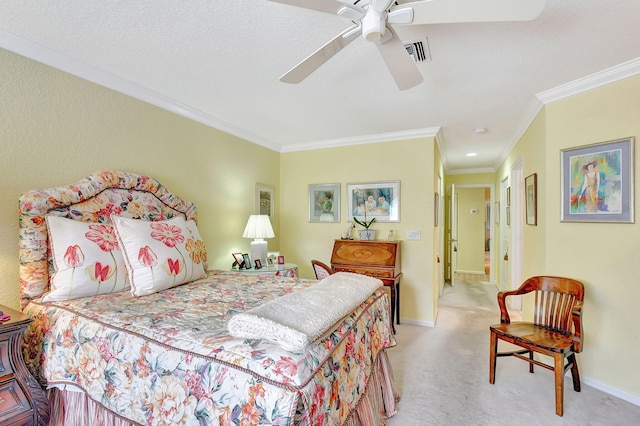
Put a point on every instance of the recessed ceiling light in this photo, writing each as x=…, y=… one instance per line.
x=472, y=154
x=480, y=130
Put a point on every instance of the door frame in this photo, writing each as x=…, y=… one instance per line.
x=491, y=186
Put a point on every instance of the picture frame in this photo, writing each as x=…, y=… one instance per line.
x=280, y=260
x=365, y=198
x=239, y=260
x=265, y=200
x=597, y=182
x=496, y=213
x=247, y=261
x=324, y=202
x=507, y=215
x=258, y=264
x=508, y=196
x=531, y=199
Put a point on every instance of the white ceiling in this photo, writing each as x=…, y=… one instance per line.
x=219, y=63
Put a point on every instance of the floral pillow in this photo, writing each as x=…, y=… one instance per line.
x=160, y=254
x=87, y=259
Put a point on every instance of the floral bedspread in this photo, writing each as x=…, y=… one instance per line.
x=167, y=358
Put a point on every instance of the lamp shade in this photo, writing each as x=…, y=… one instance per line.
x=258, y=226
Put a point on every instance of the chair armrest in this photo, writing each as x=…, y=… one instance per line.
x=576, y=317
x=502, y=303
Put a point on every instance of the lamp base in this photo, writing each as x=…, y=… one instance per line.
x=259, y=251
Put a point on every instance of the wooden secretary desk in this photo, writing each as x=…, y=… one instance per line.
x=379, y=259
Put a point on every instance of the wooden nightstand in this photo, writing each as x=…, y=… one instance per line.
x=22, y=400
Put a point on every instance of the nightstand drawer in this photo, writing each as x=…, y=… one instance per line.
x=5, y=364
x=13, y=401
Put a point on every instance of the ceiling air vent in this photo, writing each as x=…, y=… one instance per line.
x=418, y=50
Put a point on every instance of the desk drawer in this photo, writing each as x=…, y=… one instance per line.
x=13, y=401
x=372, y=272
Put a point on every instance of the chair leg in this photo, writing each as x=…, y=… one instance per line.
x=574, y=372
x=531, y=363
x=493, y=350
x=558, y=364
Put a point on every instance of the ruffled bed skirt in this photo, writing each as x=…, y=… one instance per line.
x=72, y=408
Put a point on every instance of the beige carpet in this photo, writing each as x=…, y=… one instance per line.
x=443, y=374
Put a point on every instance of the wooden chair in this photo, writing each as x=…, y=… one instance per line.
x=556, y=330
x=322, y=270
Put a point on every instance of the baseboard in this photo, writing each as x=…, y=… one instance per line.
x=462, y=271
x=633, y=399
x=420, y=323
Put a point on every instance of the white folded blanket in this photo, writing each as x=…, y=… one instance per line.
x=297, y=319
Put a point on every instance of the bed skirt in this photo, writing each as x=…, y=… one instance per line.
x=378, y=403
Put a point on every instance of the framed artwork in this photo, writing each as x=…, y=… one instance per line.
x=258, y=264
x=324, y=203
x=507, y=215
x=531, y=198
x=496, y=211
x=598, y=182
x=379, y=200
x=508, y=196
x=265, y=200
x=280, y=260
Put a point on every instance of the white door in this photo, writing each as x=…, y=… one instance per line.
x=453, y=234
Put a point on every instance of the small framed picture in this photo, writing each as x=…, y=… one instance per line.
x=239, y=260
x=280, y=260
x=258, y=264
x=247, y=261
x=269, y=261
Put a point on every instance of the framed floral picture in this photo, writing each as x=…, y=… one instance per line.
x=598, y=182
x=379, y=200
x=324, y=203
x=265, y=200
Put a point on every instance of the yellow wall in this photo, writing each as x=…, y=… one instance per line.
x=412, y=163
x=56, y=129
x=603, y=256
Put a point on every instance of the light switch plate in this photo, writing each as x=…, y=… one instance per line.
x=413, y=235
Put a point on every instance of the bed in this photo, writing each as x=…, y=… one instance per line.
x=130, y=355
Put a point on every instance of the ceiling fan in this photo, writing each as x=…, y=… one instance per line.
x=374, y=20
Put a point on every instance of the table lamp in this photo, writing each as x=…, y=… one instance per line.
x=258, y=227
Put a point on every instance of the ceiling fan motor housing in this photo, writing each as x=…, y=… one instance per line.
x=373, y=25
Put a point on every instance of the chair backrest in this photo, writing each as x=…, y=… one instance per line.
x=321, y=269
x=557, y=305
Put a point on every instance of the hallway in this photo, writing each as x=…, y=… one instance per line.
x=442, y=373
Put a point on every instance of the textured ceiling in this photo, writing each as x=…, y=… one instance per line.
x=219, y=62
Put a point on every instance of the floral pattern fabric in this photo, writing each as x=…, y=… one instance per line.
x=93, y=199
x=167, y=358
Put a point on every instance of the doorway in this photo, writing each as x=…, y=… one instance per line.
x=472, y=218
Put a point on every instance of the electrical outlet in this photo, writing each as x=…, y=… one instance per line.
x=413, y=235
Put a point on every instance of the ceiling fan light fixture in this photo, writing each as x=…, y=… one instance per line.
x=373, y=25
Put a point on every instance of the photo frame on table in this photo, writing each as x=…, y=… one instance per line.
x=239, y=260
x=258, y=264
x=531, y=198
x=265, y=200
x=597, y=182
x=379, y=200
x=324, y=203
x=247, y=261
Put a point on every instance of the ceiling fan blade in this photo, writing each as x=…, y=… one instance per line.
x=399, y=63
x=450, y=11
x=327, y=6
x=320, y=56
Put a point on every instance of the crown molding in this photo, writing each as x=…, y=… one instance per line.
x=590, y=82
x=365, y=139
x=44, y=55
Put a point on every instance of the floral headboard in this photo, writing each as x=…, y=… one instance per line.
x=93, y=199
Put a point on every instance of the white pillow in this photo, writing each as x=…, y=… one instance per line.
x=160, y=254
x=86, y=258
